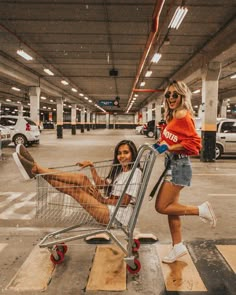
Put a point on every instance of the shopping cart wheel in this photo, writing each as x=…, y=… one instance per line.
x=62, y=248
x=136, y=245
x=60, y=258
x=137, y=267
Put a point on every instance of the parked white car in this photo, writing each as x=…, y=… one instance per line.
x=5, y=136
x=23, y=129
x=225, y=137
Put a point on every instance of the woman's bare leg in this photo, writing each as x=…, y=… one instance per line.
x=96, y=209
x=167, y=203
x=67, y=177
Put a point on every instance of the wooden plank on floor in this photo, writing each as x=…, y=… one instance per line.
x=229, y=254
x=35, y=273
x=181, y=275
x=108, y=272
x=2, y=246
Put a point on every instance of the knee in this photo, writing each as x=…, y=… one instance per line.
x=160, y=208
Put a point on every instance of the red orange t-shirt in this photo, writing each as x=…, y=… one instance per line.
x=182, y=131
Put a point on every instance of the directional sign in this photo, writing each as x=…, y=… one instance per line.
x=106, y=103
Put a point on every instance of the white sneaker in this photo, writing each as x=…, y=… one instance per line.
x=207, y=214
x=176, y=252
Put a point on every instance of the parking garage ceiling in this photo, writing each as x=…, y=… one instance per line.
x=103, y=49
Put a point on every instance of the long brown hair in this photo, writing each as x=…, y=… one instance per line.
x=186, y=95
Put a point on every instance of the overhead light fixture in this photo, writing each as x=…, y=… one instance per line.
x=47, y=71
x=15, y=88
x=156, y=57
x=197, y=91
x=178, y=17
x=148, y=74
x=64, y=82
x=43, y=97
x=142, y=84
x=74, y=90
x=23, y=54
x=233, y=77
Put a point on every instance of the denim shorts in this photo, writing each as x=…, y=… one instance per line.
x=180, y=172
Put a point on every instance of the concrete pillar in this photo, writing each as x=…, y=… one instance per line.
x=20, y=110
x=60, y=118
x=158, y=114
x=107, y=120
x=82, y=119
x=223, y=108
x=88, y=120
x=136, y=118
x=34, y=95
x=149, y=112
x=94, y=120
x=73, y=119
x=210, y=77
x=158, y=117
x=144, y=115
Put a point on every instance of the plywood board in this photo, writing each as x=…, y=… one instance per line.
x=181, y=275
x=229, y=254
x=35, y=273
x=108, y=272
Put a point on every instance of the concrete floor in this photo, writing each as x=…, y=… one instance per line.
x=214, y=182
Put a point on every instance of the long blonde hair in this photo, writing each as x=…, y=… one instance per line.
x=186, y=95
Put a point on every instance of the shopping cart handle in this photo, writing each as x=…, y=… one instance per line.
x=160, y=148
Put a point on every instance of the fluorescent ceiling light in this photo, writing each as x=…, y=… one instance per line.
x=23, y=54
x=156, y=57
x=74, y=90
x=15, y=88
x=50, y=73
x=197, y=91
x=178, y=17
x=148, y=74
x=233, y=77
x=43, y=97
x=64, y=82
x=142, y=84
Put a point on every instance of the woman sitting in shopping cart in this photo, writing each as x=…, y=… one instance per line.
x=89, y=194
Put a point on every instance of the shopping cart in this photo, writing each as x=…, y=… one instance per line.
x=57, y=208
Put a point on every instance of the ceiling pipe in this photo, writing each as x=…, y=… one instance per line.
x=155, y=24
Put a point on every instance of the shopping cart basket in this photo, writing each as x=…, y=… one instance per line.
x=56, y=207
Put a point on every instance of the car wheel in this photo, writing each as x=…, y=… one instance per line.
x=20, y=139
x=150, y=134
x=219, y=151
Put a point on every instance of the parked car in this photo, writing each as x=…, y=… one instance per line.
x=149, y=129
x=23, y=129
x=5, y=136
x=140, y=129
x=225, y=137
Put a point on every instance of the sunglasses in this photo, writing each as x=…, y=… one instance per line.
x=173, y=95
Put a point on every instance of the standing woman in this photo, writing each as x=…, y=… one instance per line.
x=182, y=140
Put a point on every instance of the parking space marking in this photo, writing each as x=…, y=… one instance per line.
x=18, y=206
